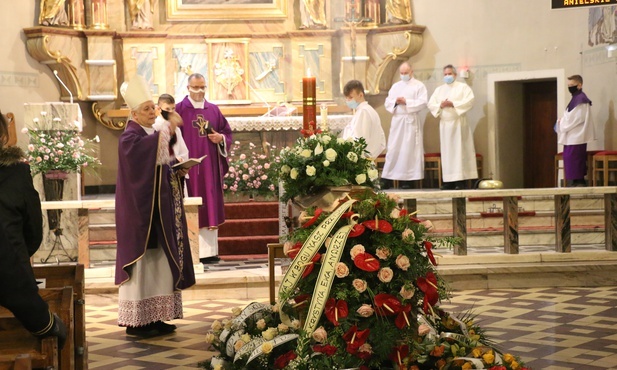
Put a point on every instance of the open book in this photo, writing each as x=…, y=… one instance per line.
x=189, y=163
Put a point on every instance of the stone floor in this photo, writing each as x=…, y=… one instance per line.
x=550, y=328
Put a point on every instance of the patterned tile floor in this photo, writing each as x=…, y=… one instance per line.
x=551, y=328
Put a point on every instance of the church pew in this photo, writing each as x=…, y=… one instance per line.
x=59, y=276
x=21, y=350
x=60, y=301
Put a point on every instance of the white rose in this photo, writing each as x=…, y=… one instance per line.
x=285, y=169
x=326, y=163
x=326, y=139
x=210, y=338
x=236, y=311
x=246, y=337
x=340, y=140
x=318, y=149
x=306, y=153
x=310, y=170
x=360, y=179
x=216, y=326
x=293, y=174
x=331, y=154
x=352, y=157
x=373, y=174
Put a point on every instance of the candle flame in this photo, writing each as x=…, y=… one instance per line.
x=308, y=72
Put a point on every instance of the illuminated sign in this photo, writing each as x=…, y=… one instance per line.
x=562, y=4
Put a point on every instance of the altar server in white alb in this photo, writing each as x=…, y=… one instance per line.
x=405, y=155
x=365, y=122
x=451, y=102
x=575, y=129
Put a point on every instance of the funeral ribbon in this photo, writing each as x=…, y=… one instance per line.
x=325, y=278
x=306, y=254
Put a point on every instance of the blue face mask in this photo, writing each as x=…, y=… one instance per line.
x=352, y=104
x=448, y=79
x=405, y=78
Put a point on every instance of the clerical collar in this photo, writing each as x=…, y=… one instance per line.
x=196, y=104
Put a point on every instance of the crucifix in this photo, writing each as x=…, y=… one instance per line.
x=352, y=22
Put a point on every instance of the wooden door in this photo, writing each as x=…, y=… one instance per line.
x=540, y=146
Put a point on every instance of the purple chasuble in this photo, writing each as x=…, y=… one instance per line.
x=149, y=206
x=206, y=179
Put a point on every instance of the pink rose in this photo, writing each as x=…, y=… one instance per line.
x=402, y=262
x=408, y=236
x=357, y=249
x=359, y=284
x=320, y=335
x=341, y=270
x=407, y=293
x=365, y=310
x=423, y=329
x=383, y=253
x=385, y=275
x=428, y=224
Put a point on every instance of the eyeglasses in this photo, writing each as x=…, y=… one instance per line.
x=197, y=89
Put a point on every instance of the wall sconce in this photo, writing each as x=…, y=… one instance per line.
x=465, y=72
x=611, y=50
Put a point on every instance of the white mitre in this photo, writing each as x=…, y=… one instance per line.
x=136, y=92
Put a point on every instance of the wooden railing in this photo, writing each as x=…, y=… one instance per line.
x=561, y=196
x=83, y=208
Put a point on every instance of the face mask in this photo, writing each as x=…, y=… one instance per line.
x=448, y=79
x=572, y=89
x=405, y=78
x=352, y=104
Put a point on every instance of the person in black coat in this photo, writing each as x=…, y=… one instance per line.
x=21, y=233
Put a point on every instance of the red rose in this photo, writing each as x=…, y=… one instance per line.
x=283, y=360
x=326, y=349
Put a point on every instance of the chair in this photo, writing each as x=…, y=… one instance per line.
x=479, y=163
x=275, y=250
x=604, y=163
x=558, y=167
x=432, y=168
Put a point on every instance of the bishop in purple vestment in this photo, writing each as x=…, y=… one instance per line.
x=153, y=261
x=206, y=132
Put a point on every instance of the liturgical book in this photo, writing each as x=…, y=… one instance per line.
x=189, y=163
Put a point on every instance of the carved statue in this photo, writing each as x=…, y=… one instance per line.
x=399, y=11
x=141, y=12
x=313, y=14
x=53, y=13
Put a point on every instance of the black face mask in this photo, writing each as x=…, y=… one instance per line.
x=572, y=89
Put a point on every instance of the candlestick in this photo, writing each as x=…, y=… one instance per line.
x=324, y=117
x=309, y=101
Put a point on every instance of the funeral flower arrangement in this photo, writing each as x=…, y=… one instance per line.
x=57, y=145
x=323, y=160
x=362, y=290
x=251, y=171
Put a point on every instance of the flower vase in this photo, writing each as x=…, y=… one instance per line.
x=53, y=185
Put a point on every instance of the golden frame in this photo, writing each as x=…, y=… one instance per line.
x=178, y=10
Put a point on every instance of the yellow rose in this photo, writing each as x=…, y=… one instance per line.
x=267, y=347
x=476, y=352
x=508, y=358
x=210, y=338
x=515, y=365
x=293, y=174
x=246, y=338
x=306, y=153
x=269, y=334
x=489, y=358
x=236, y=311
x=467, y=366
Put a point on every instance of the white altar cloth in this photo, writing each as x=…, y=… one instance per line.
x=335, y=123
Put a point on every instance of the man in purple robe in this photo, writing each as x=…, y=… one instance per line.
x=153, y=261
x=575, y=129
x=206, y=132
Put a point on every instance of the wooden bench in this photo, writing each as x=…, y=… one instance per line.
x=60, y=276
x=60, y=301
